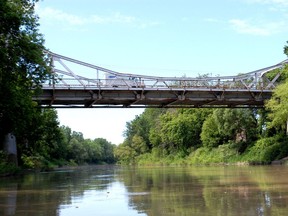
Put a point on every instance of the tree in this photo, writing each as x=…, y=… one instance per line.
x=23, y=65
x=106, y=150
x=210, y=134
x=44, y=136
x=138, y=130
x=43, y=141
x=138, y=144
x=286, y=49
x=224, y=125
x=278, y=104
x=125, y=154
x=179, y=130
x=94, y=151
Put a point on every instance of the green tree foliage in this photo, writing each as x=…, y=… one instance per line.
x=262, y=121
x=139, y=145
x=171, y=131
x=210, y=134
x=82, y=150
x=142, y=125
x=23, y=67
x=106, y=149
x=267, y=149
x=180, y=129
x=44, y=136
x=43, y=141
x=137, y=136
x=179, y=133
x=48, y=145
x=23, y=64
x=286, y=49
x=229, y=125
x=125, y=154
x=278, y=105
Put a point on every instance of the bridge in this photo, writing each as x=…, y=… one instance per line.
x=77, y=84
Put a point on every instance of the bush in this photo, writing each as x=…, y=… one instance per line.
x=268, y=149
x=37, y=162
x=7, y=168
x=221, y=154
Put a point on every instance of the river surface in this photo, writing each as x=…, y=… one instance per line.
x=153, y=191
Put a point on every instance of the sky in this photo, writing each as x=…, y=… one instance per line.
x=160, y=38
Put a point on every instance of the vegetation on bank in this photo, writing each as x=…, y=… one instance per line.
x=66, y=148
x=263, y=151
x=49, y=145
x=225, y=141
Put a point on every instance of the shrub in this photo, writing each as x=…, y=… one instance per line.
x=267, y=149
x=7, y=168
x=221, y=154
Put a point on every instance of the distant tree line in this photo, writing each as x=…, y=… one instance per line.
x=59, y=146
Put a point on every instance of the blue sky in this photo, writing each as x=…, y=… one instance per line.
x=161, y=38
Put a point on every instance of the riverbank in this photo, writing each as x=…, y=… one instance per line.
x=264, y=152
x=258, y=154
x=17, y=171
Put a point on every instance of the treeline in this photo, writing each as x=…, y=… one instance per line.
x=47, y=145
x=201, y=136
x=60, y=146
x=205, y=136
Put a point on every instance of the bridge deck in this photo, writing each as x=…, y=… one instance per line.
x=152, y=97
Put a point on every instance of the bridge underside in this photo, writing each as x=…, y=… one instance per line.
x=145, y=97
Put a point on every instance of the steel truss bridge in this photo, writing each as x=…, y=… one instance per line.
x=76, y=84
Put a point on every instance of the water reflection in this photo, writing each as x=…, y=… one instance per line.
x=106, y=190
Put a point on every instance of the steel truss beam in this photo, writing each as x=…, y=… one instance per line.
x=74, y=89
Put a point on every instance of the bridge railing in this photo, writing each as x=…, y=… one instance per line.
x=71, y=83
x=65, y=77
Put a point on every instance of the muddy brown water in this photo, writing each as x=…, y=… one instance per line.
x=153, y=191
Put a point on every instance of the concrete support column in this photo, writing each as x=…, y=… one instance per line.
x=10, y=148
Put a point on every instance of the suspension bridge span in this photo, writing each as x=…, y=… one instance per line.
x=77, y=84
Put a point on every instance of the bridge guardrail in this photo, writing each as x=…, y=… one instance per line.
x=168, y=84
x=68, y=78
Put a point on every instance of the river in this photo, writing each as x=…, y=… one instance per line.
x=153, y=191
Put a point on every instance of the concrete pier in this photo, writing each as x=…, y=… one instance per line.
x=10, y=147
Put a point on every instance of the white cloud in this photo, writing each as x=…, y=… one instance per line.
x=274, y=21
x=282, y=2
x=275, y=2
x=246, y=27
x=58, y=15
x=53, y=15
x=212, y=20
x=113, y=18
